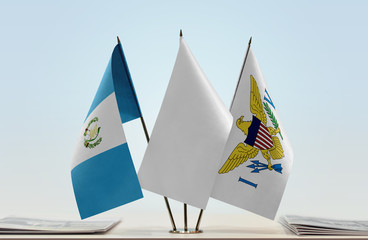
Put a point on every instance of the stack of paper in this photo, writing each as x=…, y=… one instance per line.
x=42, y=226
x=322, y=226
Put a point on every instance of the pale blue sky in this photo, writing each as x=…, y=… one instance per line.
x=313, y=55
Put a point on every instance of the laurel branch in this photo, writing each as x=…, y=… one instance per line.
x=272, y=117
x=93, y=144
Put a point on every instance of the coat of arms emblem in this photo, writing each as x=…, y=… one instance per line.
x=91, y=134
x=259, y=137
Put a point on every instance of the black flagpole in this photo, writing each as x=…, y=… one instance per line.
x=185, y=218
x=147, y=138
x=199, y=220
x=185, y=205
x=241, y=72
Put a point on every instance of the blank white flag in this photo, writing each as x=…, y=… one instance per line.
x=188, y=138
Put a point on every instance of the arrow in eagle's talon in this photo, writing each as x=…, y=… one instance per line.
x=258, y=166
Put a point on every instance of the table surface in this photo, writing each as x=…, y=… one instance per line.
x=215, y=226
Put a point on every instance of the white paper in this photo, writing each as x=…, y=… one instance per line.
x=35, y=225
x=301, y=225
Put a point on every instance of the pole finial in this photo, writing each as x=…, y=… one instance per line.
x=118, y=39
x=181, y=33
x=250, y=41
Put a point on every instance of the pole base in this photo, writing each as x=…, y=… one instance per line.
x=182, y=231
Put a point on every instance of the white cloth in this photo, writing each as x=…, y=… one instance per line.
x=188, y=138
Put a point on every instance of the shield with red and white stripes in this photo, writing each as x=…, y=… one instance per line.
x=258, y=135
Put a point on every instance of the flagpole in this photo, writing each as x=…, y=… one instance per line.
x=241, y=72
x=147, y=138
x=199, y=220
x=170, y=213
x=185, y=205
x=185, y=218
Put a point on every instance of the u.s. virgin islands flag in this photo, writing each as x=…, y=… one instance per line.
x=103, y=173
x=258, y=156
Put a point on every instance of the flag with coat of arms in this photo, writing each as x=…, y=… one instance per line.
x=103, y=173
x=258, y=157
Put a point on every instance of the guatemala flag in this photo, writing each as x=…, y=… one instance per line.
x=103, y=173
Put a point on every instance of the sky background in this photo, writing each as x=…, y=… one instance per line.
x=313, y=55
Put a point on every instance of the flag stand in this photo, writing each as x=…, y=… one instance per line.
x=186, y=230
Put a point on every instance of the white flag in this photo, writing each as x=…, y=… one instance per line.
x=258, y=157
x=188, y=138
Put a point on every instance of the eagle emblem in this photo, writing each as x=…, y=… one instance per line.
x=259, y=136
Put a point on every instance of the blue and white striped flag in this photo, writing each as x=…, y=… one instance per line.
x=103, y=173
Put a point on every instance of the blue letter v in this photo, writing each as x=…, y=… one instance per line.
x=269, y=100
